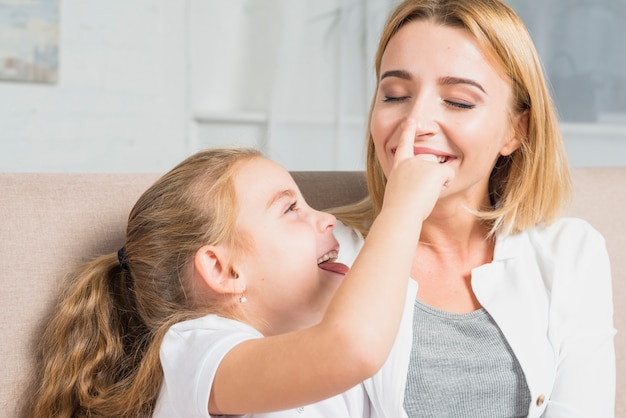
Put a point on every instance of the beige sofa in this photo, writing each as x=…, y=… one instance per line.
x=51, y=222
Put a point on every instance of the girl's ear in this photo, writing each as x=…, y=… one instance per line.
x=212, y=266
x=514, y=142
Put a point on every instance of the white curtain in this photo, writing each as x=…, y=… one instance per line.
x=323, y=82
x=583, y=46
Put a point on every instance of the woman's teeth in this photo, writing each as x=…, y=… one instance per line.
x=332, y=255
x=442, y=159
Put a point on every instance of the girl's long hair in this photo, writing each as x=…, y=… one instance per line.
x=99, y=353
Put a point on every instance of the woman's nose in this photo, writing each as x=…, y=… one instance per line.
x=424, y=114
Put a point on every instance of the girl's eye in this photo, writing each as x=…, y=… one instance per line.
x=293, y=207
x=459, y=105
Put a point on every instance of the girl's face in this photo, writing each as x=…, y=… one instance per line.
x=438, y=76
x=288, y=286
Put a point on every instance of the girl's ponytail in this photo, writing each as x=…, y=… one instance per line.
x=91, y=347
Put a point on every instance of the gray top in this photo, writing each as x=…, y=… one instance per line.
x=462, y=366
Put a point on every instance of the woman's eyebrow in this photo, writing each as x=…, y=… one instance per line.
x=459, y=80
x=396, y=73
x=449, y=80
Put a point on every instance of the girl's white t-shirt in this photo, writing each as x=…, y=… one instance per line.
x=192, y=350
x=190, y=354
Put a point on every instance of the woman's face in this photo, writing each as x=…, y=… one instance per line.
x=289, y=277
x=438, y=76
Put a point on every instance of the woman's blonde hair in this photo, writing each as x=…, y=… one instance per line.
x=99, y=354
x=531, y=186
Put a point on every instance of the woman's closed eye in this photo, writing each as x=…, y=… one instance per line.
x=391, y=99
x=459, y=105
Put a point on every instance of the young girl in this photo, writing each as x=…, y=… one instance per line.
x=219, y=253
x=513, y=313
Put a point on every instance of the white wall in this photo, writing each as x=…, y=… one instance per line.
x=120, y=103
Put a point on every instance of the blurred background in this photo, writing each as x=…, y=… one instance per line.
x=137, y=85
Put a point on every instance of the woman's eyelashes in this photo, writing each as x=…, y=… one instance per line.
x=391, y=99
x=457, y=104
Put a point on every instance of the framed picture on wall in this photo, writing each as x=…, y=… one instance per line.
x=29, y=40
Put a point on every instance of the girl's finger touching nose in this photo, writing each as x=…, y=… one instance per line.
x=405, y=145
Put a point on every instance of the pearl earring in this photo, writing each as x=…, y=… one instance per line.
x=242, y=297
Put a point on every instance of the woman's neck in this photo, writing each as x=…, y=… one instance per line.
x=448, y=251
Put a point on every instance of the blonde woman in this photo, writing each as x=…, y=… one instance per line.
x=512, y=316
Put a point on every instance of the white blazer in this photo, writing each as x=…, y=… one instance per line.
x=549, y=291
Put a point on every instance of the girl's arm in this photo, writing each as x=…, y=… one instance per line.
x=356, y=334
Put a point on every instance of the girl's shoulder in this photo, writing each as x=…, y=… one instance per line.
x=190, y=354
x=212, y=323
x=201, y=337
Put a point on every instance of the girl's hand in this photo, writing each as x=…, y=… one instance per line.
x=416, y=181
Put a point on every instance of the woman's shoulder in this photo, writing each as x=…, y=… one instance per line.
x=565, y=238
x=567, y=230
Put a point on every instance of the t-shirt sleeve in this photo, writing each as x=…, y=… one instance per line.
x=190, y=354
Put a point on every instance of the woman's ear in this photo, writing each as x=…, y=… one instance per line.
x=212, y=266
x=521, y=122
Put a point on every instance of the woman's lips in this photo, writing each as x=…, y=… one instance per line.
x=442, y=157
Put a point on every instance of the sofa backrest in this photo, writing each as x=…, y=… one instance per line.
x=600, y=198
x=49, y=223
